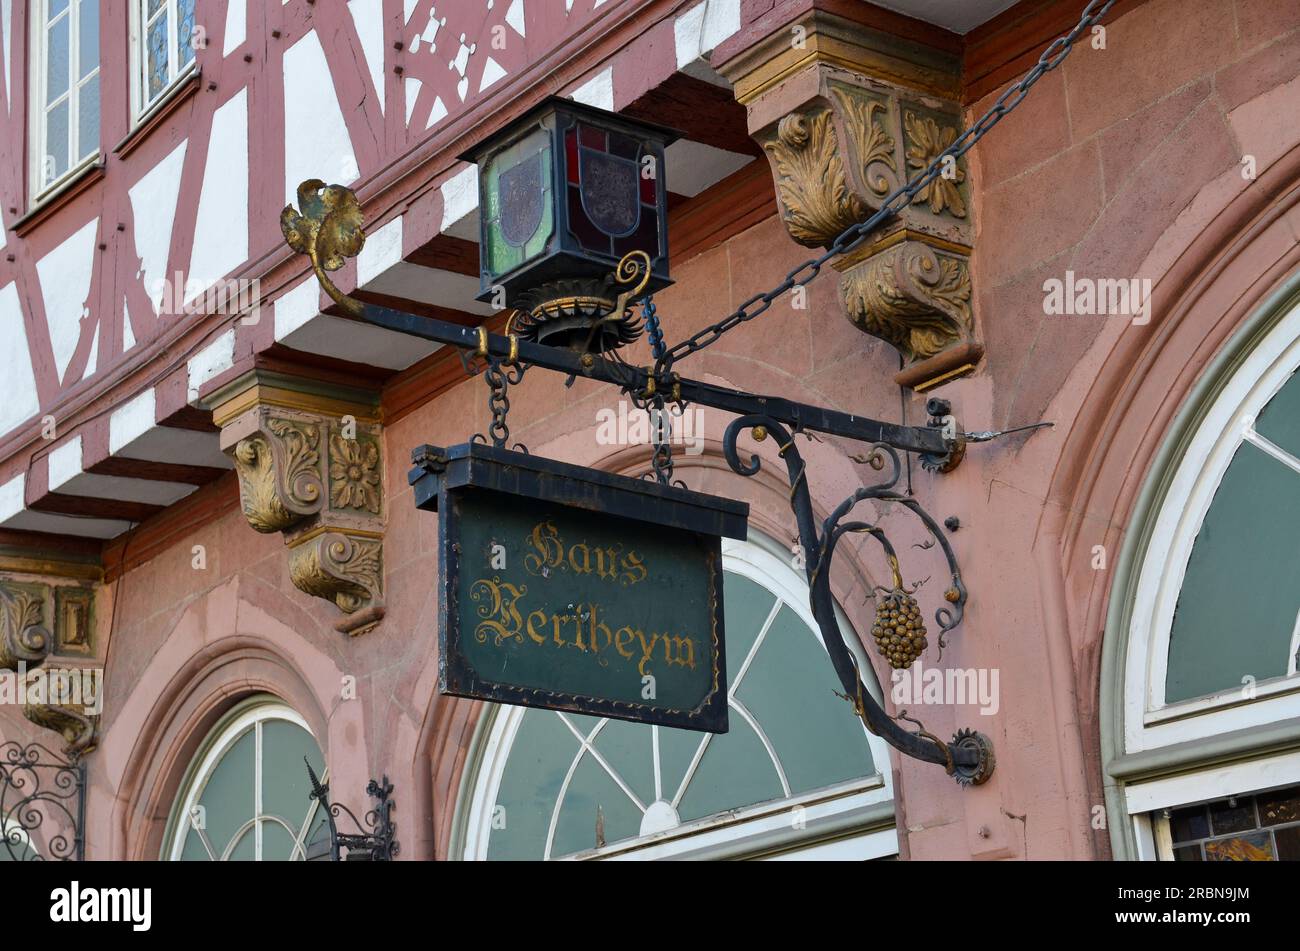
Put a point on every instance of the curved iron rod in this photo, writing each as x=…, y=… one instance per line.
x=818, y=551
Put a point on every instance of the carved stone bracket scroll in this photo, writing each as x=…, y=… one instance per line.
x=309, y=463
x=45, y=628
x=845, y=116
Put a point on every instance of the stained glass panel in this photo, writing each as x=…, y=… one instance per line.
x=156, y=57
x=184, y=32
x=1247, y=828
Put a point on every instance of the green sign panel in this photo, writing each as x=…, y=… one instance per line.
x=554, y=596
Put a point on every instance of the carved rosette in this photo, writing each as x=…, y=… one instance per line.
x=911, y=296
x=26, y=643
x=318, y=479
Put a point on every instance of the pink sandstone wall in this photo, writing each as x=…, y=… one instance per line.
x=1125, y=163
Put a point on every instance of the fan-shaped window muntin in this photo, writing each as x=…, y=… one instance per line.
x=794, y=749
x=246, y=794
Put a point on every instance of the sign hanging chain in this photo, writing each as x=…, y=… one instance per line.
x=898, y=199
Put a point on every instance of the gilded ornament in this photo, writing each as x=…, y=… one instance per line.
x=328, y=229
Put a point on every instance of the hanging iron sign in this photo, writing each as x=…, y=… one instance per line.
x=573, y=589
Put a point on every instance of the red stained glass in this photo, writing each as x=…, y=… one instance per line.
x=571, y=153
x=649, y=193
x=592, y=138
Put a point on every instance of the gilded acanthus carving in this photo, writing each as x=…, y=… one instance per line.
x=926, y=141
x=53, y=698
x=279, y=477
x=343, y=568
x=318, y=479
x=873, y=144
x=23, y=636
x=845, y=123
x=914, y=298
x=810, y=179
x=73, y=721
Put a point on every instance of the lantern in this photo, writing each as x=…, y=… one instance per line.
x=566, y=192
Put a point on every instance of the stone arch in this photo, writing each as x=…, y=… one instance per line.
x=223, y=648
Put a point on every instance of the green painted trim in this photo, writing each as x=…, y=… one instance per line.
x=1124, y=586
x=1216, y=750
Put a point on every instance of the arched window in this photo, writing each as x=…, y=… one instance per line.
x=1209, y=619
x=245, y=797
x=796, y=775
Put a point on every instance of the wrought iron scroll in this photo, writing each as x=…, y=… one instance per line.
x=376, y=845
x=969, y=756
x=42, y=804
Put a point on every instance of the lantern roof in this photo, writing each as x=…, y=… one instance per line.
x=627, y=124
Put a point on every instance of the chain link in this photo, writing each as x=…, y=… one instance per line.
x=900, y=198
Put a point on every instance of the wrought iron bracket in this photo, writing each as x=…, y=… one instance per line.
x=40, y=789
x=376, y=845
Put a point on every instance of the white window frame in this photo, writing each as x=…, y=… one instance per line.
x=734, y=832
x=141, y=106
x=38, y=106
x=218, y=743
x=1150, y=722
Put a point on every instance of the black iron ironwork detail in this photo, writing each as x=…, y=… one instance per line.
x=40, y=791
x=377, y=845
x=969, y=756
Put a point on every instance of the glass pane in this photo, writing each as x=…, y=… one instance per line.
x=825, y=743
x=246, y=849
x=55, y=8
x=1238, y=605
x=1232, y=815
x=735, y=771
x=1245, y=848
x=1279, y=807
x=628, y=750
x=57, y=63
x=1280, y=421
x=156, y=58
x=228, y=796
x=285, y=785
x=590, y=789
x=1188, y=853
x=185, y=32
x=88, y=119
x=1187, y=825
x=1288, y=844
x=87, y=37
x=540, y=757
x=277, y=841
x=56, y=143
x=154, y=6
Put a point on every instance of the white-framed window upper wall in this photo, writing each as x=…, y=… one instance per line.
x=65, y=90
x=246, y=793
x=1210, y=694
x=163, y=41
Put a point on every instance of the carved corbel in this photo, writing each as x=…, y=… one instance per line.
x=844, y=120
x=310, y=467
x=51, y=698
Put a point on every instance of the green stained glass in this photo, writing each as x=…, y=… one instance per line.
x=518, y=203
